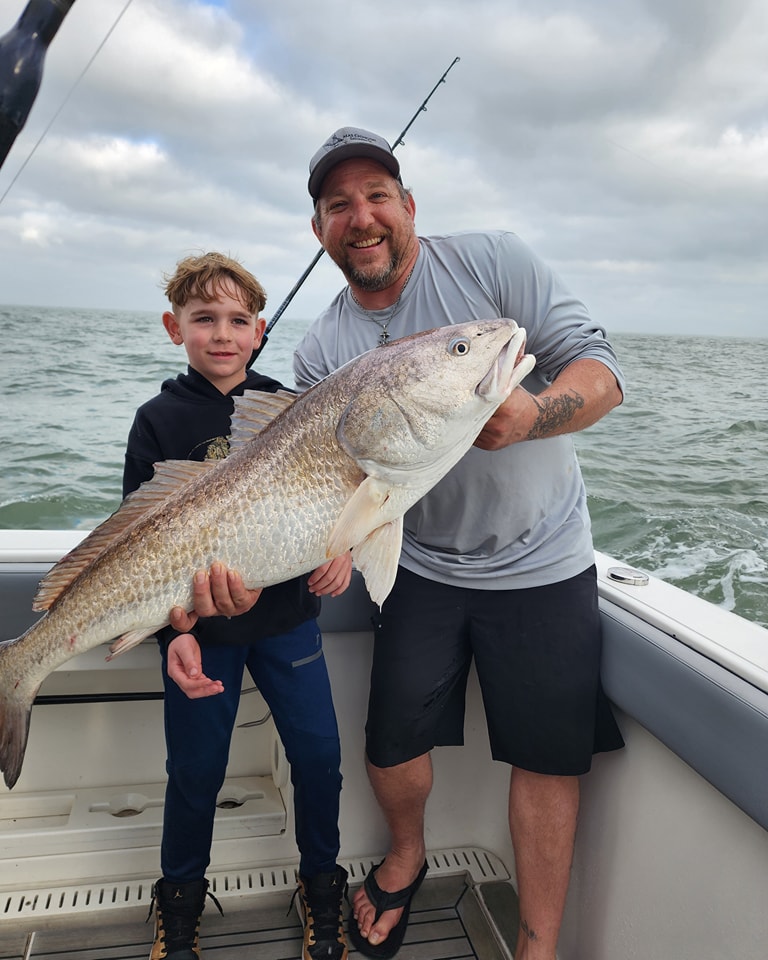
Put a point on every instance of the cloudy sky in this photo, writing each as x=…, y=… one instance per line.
x=625, y=140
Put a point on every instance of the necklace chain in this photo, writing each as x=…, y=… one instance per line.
x=384, y=324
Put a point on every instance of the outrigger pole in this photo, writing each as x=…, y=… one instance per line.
x=281, y=309
x=22, y=55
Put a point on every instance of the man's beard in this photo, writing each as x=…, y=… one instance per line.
x=373, y=278
x=380, y=279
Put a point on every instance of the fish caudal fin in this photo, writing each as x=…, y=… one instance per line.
x=15, y=712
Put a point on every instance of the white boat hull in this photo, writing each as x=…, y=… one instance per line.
x=672, y=847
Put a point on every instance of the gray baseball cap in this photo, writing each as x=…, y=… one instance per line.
x=345, y=144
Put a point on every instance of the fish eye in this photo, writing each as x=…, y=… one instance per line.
x=459, y=346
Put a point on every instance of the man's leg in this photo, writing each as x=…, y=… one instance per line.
x=402, y=793
x=537, y=652
x=542, y=819
x=421, y=659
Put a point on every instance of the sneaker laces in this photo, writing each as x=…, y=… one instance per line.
x=180, y=923
x=325, y=916
x=322, y=906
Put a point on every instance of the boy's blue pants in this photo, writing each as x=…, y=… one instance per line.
x=291, y=674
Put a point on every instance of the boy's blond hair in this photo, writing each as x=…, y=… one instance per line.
x=205, y=276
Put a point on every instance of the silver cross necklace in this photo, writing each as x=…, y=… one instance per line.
x=384, y=324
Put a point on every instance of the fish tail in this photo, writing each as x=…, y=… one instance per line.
x=15, y=711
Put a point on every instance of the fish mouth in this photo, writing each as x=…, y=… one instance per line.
x=509, y=369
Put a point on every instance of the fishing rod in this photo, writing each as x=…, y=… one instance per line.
x=295, y=289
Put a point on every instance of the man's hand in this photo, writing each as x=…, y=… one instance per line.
x=185, y=668
x=510, y=423
x=218, y=594
x=332, y=578
x=578, y=397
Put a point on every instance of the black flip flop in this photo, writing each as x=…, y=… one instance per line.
x=382, y=900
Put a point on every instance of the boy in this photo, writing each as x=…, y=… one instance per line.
x=215, y=315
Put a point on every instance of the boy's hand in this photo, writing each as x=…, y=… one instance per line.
x=332, y=578
x=185, y=668
x=218, y=594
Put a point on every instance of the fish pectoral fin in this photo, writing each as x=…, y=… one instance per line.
x=128, y=640
x=361, y=515
x=377, y=558
x=169, y=476
x=254, y=410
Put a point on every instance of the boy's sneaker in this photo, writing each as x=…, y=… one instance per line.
x=178, y=909
x=319, y=903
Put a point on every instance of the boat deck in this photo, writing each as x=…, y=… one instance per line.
x=452, y=918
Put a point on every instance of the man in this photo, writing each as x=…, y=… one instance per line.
x=497, y=561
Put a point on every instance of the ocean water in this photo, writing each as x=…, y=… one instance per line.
x=676, y=477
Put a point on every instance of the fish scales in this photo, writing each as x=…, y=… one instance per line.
x=335, y=470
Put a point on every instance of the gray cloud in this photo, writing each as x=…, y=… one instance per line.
x=627, y=141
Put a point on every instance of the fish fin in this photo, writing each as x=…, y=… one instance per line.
x=169, y=476
x=377, y=558
x=255, y=410
x=128, y=641
x=359, y=517
x=15, y=713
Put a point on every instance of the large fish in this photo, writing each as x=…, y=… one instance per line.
x=332, y=470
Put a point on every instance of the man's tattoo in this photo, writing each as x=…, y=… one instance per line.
x=531, y=934
x=554, y=412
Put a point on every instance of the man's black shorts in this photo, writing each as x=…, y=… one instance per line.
x=537, y=653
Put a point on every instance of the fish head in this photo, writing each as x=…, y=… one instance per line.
x=421, y=401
